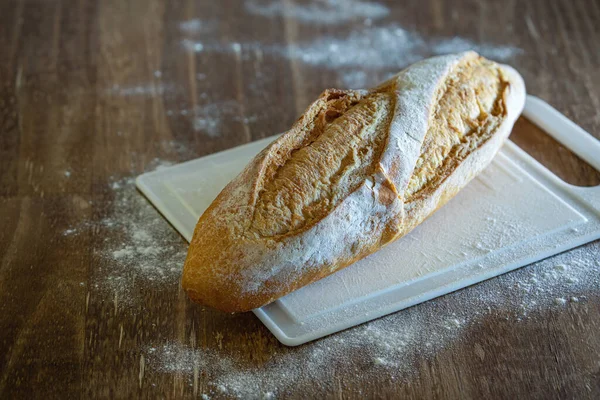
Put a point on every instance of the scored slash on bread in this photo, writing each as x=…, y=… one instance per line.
x=358, y=170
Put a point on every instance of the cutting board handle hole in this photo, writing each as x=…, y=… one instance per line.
x=553, y=155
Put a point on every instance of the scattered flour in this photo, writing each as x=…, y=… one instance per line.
x=190, y=26
x=195, y=26
x=319, y=12
x=139, y=250
x=560, y=301
x=392, y=344
x=159, y=164
x=457, y=44
x=192, y=45
x=178, y=150
x=389, y=346
x=139, y=90
x=126, y=252
x=142, y=251
x=369, y=48
x=355, y=79
x=208, y=118
x=362, y=56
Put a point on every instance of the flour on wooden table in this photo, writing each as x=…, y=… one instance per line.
x=141, y=250
x=191, y=45
x=392, y=345
x=457, y=44
x=196, y=26
x=209, y=117
x=191, y=26
x=329, y=12
x=361, y=57
x=139, y=90
x=357, y=56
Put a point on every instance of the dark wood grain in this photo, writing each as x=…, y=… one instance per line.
x=94, y=92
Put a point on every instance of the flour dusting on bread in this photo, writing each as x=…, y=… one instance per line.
x=358, y=170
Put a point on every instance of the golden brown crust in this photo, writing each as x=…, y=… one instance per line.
x=358, y=170
x=469, y=110
x=342, y=146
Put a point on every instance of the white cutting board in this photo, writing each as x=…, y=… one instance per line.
x=514, y=213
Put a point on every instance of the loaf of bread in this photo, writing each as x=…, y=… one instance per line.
x=358, y=170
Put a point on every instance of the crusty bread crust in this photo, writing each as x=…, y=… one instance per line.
x=358, y=170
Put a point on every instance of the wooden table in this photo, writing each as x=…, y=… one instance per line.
x=95, y=92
